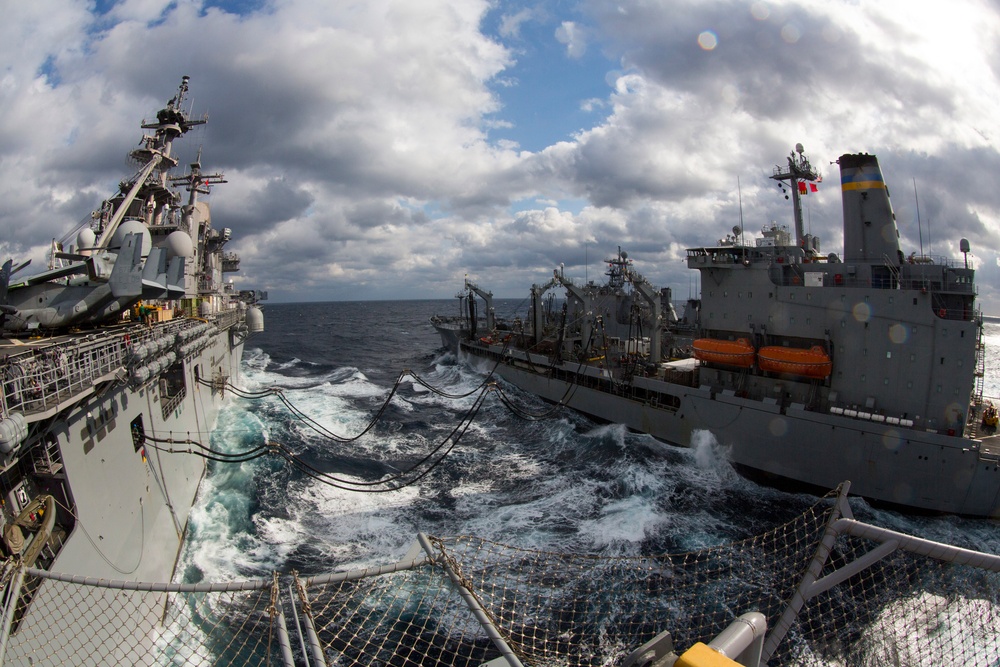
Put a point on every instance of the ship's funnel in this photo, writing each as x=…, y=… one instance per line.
x=870, y=234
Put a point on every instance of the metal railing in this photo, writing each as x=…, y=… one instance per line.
x=46, y=376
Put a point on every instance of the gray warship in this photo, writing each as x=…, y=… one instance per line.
x=126, y=339
x=806, y=367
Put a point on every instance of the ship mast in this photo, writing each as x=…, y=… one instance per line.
x=196, y=182
x=171, y=122
x=799, y=169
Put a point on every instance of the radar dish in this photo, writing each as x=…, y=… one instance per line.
x=85, y=239
x=132, y=227
x=179, y=244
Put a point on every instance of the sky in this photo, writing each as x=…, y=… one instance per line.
x=387, y=149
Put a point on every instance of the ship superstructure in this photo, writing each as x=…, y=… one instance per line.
x=126, y=341
x=809, y=367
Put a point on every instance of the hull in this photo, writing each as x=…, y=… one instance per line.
x=127, y=501
x=884, y=462
x=451, y=332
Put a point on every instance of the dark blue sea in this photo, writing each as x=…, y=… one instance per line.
x=561, y=484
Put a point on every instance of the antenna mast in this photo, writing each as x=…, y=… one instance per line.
x=739, y=189
x=799, y=169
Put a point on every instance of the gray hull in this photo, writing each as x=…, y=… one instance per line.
x=886, y=463
x=132, y=505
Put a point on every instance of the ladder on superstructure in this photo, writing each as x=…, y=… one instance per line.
x=975, y=414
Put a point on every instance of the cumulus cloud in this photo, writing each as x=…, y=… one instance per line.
x=570, y=34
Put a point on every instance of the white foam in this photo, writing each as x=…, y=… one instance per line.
x=278, y=537
x=543, y=518
x=356, y=529
x=930, y=629
x=631, y=519
x=221, y=544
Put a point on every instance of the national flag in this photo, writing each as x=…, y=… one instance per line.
x=802, y=188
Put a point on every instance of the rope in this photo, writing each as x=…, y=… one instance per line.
x=368, y=487
x=142, y=543
x=393, y=482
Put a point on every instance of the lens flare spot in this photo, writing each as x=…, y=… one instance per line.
x=778, y=427
x=862, y=312
x=760, y=11
x=791, y=33
x=898, y=334
x=892, y=439
x=708, y=40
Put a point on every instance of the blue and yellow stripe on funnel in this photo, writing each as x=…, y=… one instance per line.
x=861, y=178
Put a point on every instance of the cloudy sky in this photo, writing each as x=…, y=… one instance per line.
x=387, y=148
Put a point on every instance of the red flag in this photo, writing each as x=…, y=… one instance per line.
x=802, y=188
x=812, y=187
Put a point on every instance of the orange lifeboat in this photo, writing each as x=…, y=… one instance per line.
x=738, y=352
x=812, y=363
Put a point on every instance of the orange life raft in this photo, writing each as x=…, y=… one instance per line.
x=812, y=363
x=738, y=352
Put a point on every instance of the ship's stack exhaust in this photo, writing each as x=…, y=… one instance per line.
x=870, y=233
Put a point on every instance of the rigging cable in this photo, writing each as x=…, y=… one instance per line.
x=322, y=430
x=297, y=462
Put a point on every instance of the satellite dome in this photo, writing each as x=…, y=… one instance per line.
x=132, y=227
x=179, y=244
x=85, y=239
x=255, y=319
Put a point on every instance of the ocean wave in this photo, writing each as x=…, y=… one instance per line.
x=563, y=483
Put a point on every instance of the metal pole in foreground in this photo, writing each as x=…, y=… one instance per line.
x=12, y=598
x=474, y=606
x=286, y=646
x=819, y=559
x=314, y=644
x=298, y=624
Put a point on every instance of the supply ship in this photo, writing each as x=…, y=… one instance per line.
x=125, y=341
x=806, y=367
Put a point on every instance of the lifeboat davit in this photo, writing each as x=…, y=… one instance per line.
x=738, y=352
x=811, y=363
